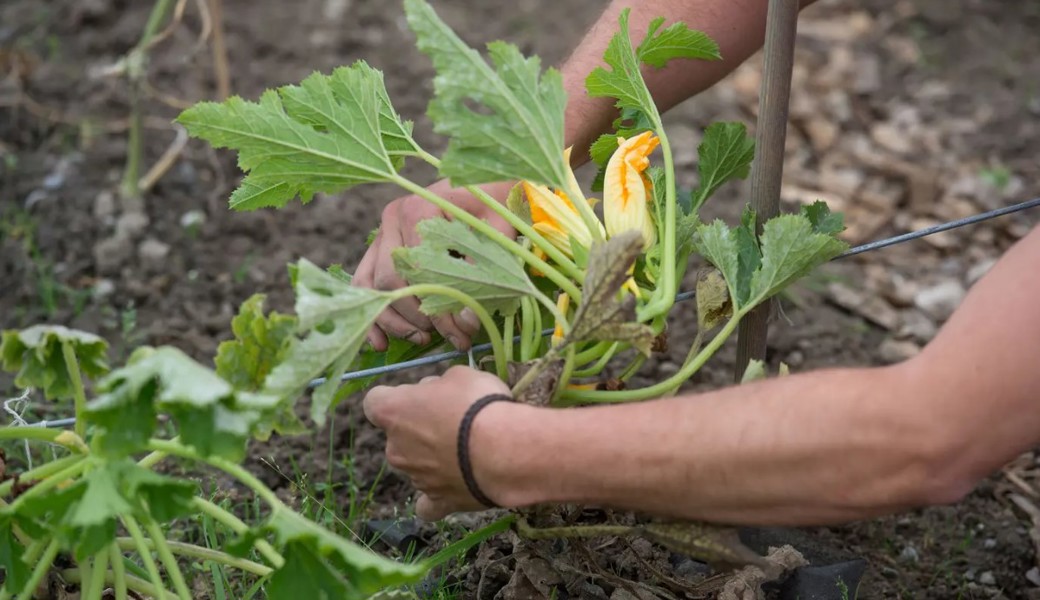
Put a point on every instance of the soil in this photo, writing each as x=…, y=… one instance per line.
x=904, y=114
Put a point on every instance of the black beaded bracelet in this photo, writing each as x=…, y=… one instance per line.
x=463, y=446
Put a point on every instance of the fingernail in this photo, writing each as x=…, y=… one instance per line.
x=415, y=336
x=454, y=341
x=469, y=320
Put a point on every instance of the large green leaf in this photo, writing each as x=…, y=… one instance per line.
x=16, y=571
x=725, y=153
x=36, y=355
x=327, y=134
x=212, y=416
x=514, y=131
x=336, y=317
x=453, y=255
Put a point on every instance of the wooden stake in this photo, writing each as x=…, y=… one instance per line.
x=767, y=170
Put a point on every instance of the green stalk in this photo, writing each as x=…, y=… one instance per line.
x=97, y=575
x=526, y=324
x=40, y=571
x=41, y=472
x=168, y=559
x=497, y=236
x=61, y=437
x=664, y=296
x=507, y=337
x=236, y=525
x=494, y=336
x=84, y=573
x=72, y=365
x=536, y=334
x=118, y=572
x=193, y=551
x=236, y=471
x=138, y=585
x=597, y=368
x=585, y=210
x=516, y=223
x=48, y=484
x=571, y=397
x=565, y=375
x=452, y=550
x=592, y=353
x=146, y=555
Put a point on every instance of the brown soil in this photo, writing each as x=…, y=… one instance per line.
x=903, y=114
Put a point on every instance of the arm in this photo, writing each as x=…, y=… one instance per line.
x=737, y=25
x=810, y=449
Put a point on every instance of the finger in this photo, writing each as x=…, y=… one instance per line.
x=468, y=322
x=376, y=405
x=430, y=379
x=409, y=309
x=445, y=324
x=378, y=339
x=392, y=323
x=429, y=510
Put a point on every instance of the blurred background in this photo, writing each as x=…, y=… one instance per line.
x=904, y=114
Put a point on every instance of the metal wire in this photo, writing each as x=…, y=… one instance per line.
x=687, y=295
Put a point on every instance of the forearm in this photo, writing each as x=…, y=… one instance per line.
x=814, y=448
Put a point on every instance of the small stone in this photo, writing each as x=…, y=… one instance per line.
x=901, y=290
x=103, y=289
x=104, y=205
x=917, y=326
x=667, y=369
x=976, y=272
x=944, y=240
x=939, y=301
x=868, y=74
x=909, y=554
x=987, y=578
x=112, y=253
x=795, y=359
x=969, y=575
x=989, y=543
x=893, y=351
x=842, y=181
x=131, y=224
x=153, y=254
x=1033, y=575
x=891, y=138
x=871, y=307
x=822, y=134
x=193, y=218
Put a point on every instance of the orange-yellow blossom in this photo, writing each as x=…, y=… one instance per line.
x=627, y=190
x=554, y=215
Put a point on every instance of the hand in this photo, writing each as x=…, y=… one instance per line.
x=421, y=423
x=403, y=319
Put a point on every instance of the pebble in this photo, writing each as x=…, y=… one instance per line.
x=795, y=359
x=917, y=326
x=193, y=218
x=1033, y=575
x=153, y=254
x=896, y=351
x=989, y=543
x=104, y=205
x=103, y=289
x=112, y=253
x=909, y=554
x=940, y=300
x=987, y=578
x=870, y=307
x=131, y=224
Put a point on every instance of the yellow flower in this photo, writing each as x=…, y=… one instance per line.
x=562, y=303
x=555, y=217
x=627, y=190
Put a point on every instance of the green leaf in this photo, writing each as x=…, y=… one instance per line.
x=161, y=497
x=308, y=574
x=725, y=153
x=749, y=256
x=212, y=416
x=337, y=316
x=327, y=134
x=515, y=128
x=601, y=316
x=261, y=343
x=754, y=371
x=485, y=271
x=822, y=219
x=312, y=550
x=790, y=248
x=677, y=41
x=16, y=571
x=35, y=354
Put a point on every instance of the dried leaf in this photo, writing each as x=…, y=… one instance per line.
x=541, y=390
x=720, y=547
x=713, y=301
x=601, y=316
x=517, y=203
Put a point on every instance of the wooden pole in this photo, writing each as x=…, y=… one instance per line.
x=767, y=170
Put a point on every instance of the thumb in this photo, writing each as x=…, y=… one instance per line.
x=430, y=510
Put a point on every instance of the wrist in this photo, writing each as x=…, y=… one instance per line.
x=505, y=453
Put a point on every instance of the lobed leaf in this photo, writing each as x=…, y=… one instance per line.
x=515, y=128
x=725, y=153
x=453, y=255
x=676, y=41
x=336, y=316
x=329, y=133
x=35, y=355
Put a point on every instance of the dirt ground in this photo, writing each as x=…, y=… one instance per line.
x=903, y=114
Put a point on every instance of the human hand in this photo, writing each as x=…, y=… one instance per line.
x=422, y=423
x=403, y=319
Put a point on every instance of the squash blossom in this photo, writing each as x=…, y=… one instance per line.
x=627, y=190
x=554, y=215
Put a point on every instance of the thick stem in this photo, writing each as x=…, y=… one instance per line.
x=168, y=559
x=48, y=484
x=118, y=572
x=507, y=337
x=97, y=575
x=236, y=525
x=597, y=368
x=41, y=472
x=66, y=439
x=494, y=336
x=72, y=366
x=574, y=531
x=565, y=375
x=498, y=237
x=526, y=326
x=138, y=585
x=40, y=571
x=193, y=551
x=664, y=296
x=145, y=552
x=571, y=397
x=593, y=353
x=244, y=476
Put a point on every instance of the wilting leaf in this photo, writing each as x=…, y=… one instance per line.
x=601, y=316
x=713, y=301
x=720, y=547
x=341, y=126
x=542, y=388
x=487, y=272
x=725, y=153
x=516, y=130
x=337, y=316
x=35, y=355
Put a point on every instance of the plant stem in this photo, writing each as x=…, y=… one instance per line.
x=565, y=375
x=146, y=555
x=46, y=485
x=236, y=525
x=118, y=572
x=84, y=573
x=507, y=337
x=597, y=368
x=498, y=237
x=193, y=551
x=97, y=575
x=526, y=325
x=138, y=585
x=40, y=571
x=61, y=437
x=664, y=296
x=515, y=222
x=236, y=471
x=41, y=472
x=168, y=559
x=532, y=373
x=661, y=388
x=494, y=335
x=596, y=351
x=72, y=366
x=574, y=531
